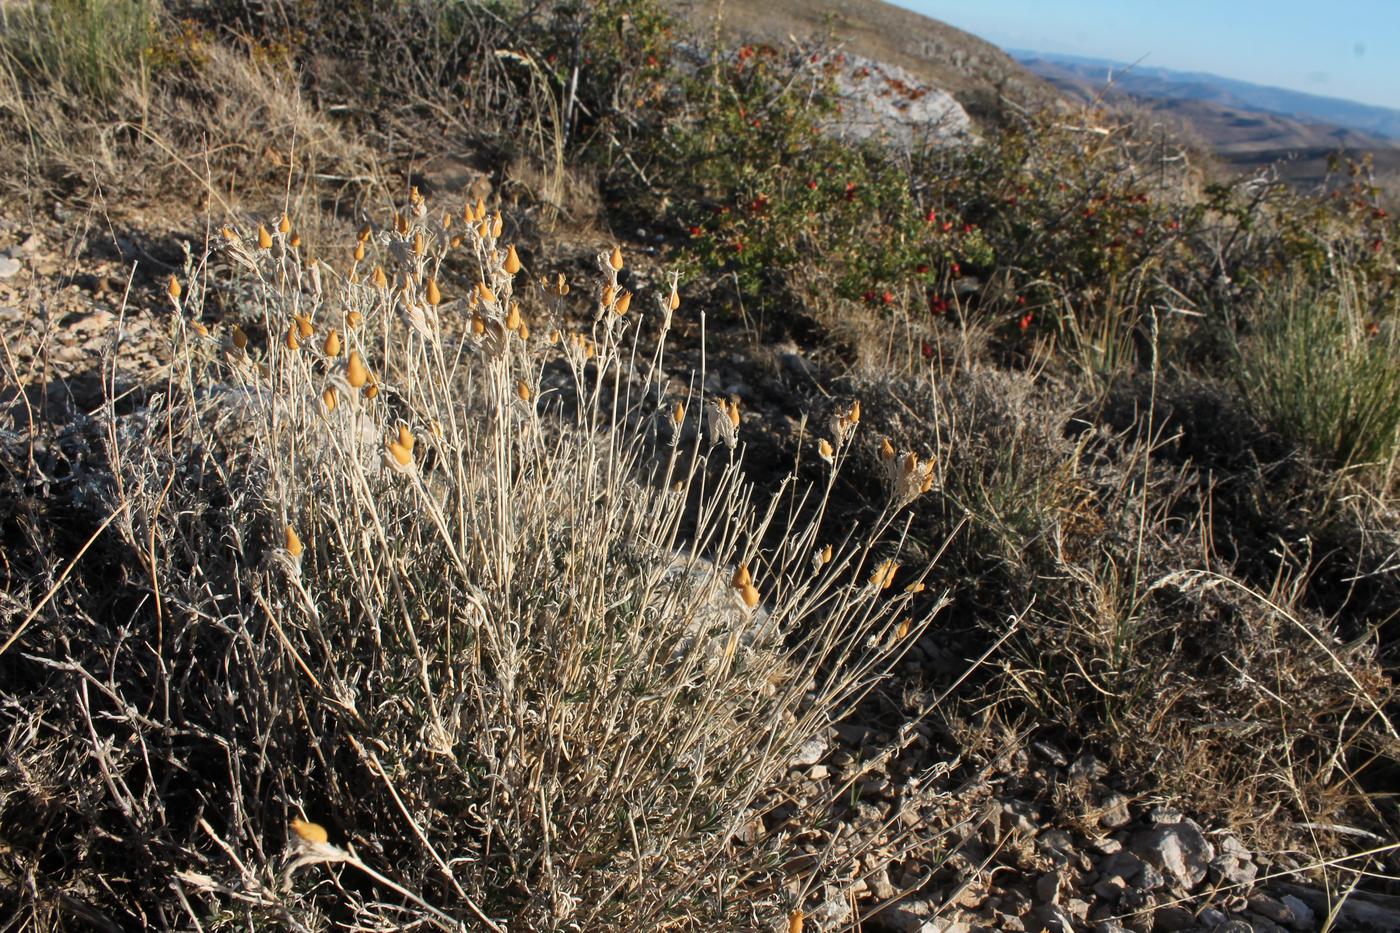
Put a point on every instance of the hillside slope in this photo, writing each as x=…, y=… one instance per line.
x=973, y=70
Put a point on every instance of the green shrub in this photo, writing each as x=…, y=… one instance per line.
x=1324, y=372
x=95, y=48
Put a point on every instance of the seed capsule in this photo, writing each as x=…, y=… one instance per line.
x=364, y=233
x=826, y=554
x=418, y=244
x=293, y=343
x=750, y=595
x=304, y=330
x=497, y=225
x=313, y=833
x=513, y=316
x=406, y=437
x=284, y=225
x=354, y=319
x=434, y=295
x=355, y=372
x=294, y=241
x=795, y=921
x=734, y=413
x=484, y=291
x=512, y=263
x=359, y=252
x=522, y=391
x=332, y=344
x=742, y=577
x=380, y=280
x=678, y=414
x=294, y=547
x=624, y=301
x=264, y=238
x=329, y=398
x=615, y=260
x=239, y=338
x=402, y=455
x=173, y=289
x=674, y=301
x=886, y=450
x=370, y=391
x=824, y=450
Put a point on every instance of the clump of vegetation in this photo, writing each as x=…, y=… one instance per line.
x=439, y=579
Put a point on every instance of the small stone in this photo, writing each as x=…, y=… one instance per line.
x=1277, y=911
x=1211, y=918
x=1172, y=919
x=1123, y=865
x=811, y=751
x=1110, y=889
x=1077, y=908
x=817, y=772
x=1305, y=919
x=1150, y=879
x=1113, y=810
x=1179, y=850
x=8, y=267
x=1234, y=926
x=1047, y=888
x=1053, y=919
x=1107, y=845
x=1164, y=816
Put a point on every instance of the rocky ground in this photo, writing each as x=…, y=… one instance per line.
x=1032, y=839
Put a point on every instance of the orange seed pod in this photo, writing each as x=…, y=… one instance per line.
x=512, y=263
x=329, y=398
x=434, y=294
x=750, y=595
x=303, y=326
x=624, y=301
x=294, y=547
x=615, y=260
x=332, y=343
x=355, y=372
x=284, y=225
x=264, y=238
x=313, y=833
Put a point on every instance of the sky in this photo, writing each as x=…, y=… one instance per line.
x=1336, y=48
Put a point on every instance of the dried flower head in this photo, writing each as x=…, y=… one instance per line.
x=561, y=286
x=484, y=292
x=742, y=577
x=293, y=342
x=674, y=301
x=398, y=455
x=284, y=224
x=418, y=243
x=355, y=372
x=886, y=450
x=749, y=593
x=883, y=575
x=294, y=547
x=380, y=280
x=304, y=330
x=364, y=233
x=313, y=833
x=624, y=301
x=678, y=414
x=400, y=224
x=512, y=263
x=795, y=921
x=522, y=390
x=294, y=241
x=264, y=238
x=354, y=319
x=513, y=316
x=497, y=225
x=724, y=423
x=615, y=259
x=239, y=338
x=329, y=398
x=172, y=288
x=331, y=345
x=825, y=451
x=359, y=252
x=524, y=332
x=826, y=554
x=903, y=629
x=433, y=293
x=734, y=413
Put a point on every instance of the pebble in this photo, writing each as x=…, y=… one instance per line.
x=1305, y=919
x=9, y=267
x=1179, y=850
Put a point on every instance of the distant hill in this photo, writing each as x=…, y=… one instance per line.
x=1165, y=84
x=1248, y=126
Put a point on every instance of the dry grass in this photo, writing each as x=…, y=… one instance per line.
x=459, y=598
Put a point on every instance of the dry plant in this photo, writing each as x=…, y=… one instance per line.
x=425, y=616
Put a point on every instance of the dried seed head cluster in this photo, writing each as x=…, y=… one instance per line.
x=906, y=477
x=742, y=581
x=724, y=422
